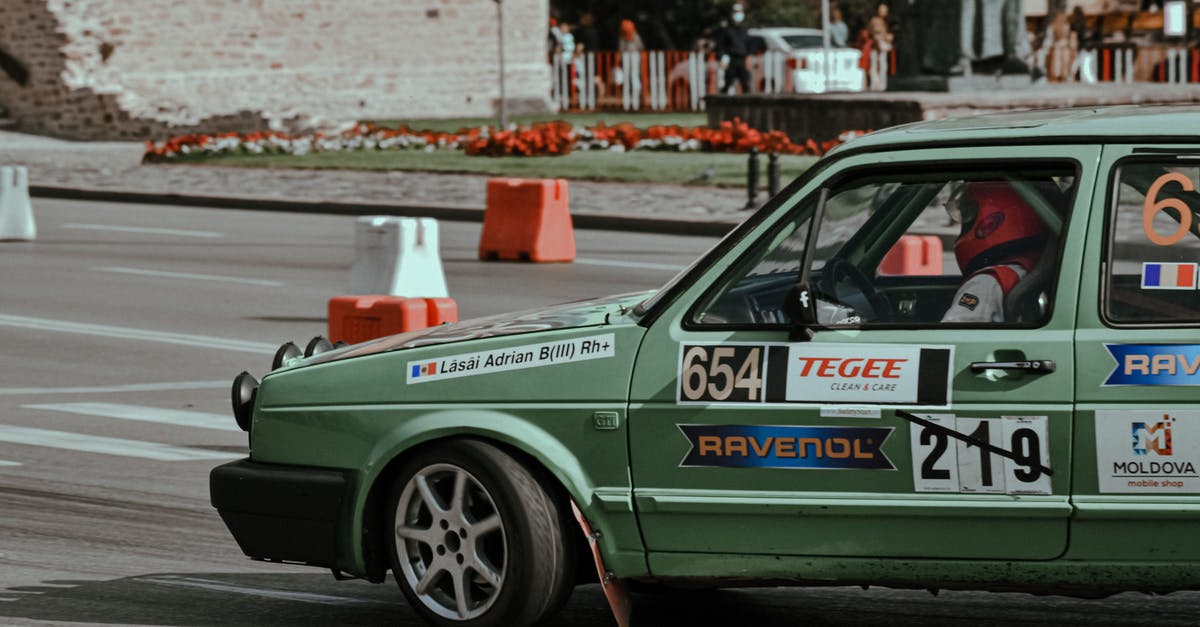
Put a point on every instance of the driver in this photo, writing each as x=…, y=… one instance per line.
x=1001, y=241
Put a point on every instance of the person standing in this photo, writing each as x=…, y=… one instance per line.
x=733, y=46
x=585, y=33
x=1084, y=64
x=881, y=40
x=630, y=48
x=839, y=32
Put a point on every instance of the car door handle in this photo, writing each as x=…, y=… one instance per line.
x=1038, y=366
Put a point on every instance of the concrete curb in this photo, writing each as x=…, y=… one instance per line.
x=613, y=222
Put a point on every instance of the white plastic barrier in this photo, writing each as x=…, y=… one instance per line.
x=16, y=212
x=397, y=257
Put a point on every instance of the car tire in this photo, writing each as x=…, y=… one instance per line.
x=476, y=539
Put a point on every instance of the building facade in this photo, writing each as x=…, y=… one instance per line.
x=142, y=69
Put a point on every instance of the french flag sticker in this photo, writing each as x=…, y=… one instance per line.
x=1168, y=276
x=424, y=370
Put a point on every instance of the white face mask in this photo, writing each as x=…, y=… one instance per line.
x=738, y=17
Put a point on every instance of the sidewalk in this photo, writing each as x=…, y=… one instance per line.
x=113, y=171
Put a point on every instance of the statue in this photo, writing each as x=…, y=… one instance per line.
x=943, y=38
x=991, y=30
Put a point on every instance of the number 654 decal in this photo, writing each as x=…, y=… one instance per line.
x=1007, y=455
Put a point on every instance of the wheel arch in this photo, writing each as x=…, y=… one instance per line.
x=538, y=450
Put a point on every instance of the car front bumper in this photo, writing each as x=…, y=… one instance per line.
x=281, y=513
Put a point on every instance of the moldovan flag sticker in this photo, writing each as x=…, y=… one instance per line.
x=1168, y=276
x=424, y=370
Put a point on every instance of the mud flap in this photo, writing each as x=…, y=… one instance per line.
x=615, y=590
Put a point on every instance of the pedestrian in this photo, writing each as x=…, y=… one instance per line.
x=1062, y=45
x=881, y=40
x=1084, y=65
x=839, y=32
x=866, y=44
x=554, y=40
x=629, y=75
x=733, y=46
x=566, y=41
x=586, y=35
x=629, y=39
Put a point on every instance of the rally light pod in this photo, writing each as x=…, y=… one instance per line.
x=317, y=345
x=288, y=351
x=245, y=387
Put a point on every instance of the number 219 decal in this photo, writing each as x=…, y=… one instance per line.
x=1014, y=457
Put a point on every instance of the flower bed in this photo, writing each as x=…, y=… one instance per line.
x=543, y=139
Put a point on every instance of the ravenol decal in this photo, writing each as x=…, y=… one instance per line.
x=804, y=448
x=1154, y=364
x=512, y=358
x=859, y=374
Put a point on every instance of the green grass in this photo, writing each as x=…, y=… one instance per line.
x=640, y=120
x=640, y=166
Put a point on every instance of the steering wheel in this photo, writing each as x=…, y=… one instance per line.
x=838, y=267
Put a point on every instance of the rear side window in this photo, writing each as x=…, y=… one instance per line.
x=1154, y=245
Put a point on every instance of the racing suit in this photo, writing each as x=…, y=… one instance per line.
x=981, y=297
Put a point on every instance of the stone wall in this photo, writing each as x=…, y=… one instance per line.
x=142, y=69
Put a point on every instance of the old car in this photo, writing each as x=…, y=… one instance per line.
x=799, y=56
x=952, y=355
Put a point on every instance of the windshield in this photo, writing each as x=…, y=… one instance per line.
x=804, y=41
x=650, y=302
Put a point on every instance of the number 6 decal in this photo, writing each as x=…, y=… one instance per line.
x=1152, y=206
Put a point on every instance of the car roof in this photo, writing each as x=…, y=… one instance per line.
x=785, y=30
x=1172, y=123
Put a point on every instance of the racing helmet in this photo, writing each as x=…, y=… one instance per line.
x=998, y=225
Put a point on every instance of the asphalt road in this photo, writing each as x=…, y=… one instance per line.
x=122, y=327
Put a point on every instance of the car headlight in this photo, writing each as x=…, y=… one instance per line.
x=245, y=387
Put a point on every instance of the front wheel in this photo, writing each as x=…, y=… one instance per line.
x=476, y=538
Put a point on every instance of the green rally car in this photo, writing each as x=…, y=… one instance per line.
x=959, y=354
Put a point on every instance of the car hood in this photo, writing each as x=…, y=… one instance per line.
x=583, y=313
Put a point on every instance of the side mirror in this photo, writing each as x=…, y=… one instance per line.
x=801, y=307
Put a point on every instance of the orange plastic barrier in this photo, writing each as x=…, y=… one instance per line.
x=527, y=220
x=354, y=319
x=913, y=255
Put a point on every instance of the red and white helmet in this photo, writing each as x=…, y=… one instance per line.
x=997, y=226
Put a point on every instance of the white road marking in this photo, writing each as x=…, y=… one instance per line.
x=142, y=229
x=133, y=387
x=220, y=586
x=630, y=264
x=201, y=341
x=190, y=276
x=108, y=446
x=178, y=417
x=8, y=463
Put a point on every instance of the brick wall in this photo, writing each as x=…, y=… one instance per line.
x=140, y=69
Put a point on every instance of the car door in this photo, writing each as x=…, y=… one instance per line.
x=1137, y=486
x=877, y=430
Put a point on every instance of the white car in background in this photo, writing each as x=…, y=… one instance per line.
x=799, y=54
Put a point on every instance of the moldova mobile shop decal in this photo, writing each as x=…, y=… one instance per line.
x=512, y=358
x=1148, y=451
x=1154, y=364
x=806, y=448
x=856, y=374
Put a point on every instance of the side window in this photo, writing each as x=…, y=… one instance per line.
x=1154, y=245
x=918, y=249
x=909, y=249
